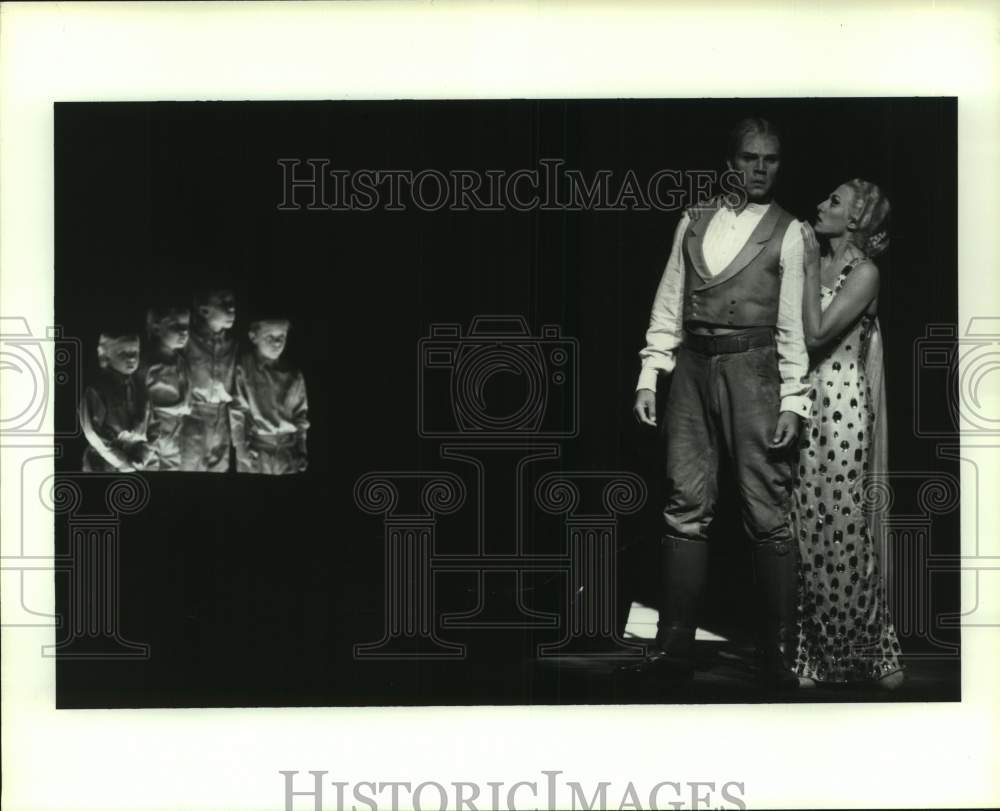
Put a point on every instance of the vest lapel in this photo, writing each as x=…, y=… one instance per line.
x=750, y=250
x=696, y=238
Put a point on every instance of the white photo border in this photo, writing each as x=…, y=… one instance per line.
x=818, y=756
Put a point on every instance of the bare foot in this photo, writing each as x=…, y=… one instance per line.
x=891, y=681
x=805, y=682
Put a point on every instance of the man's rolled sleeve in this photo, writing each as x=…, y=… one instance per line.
x=665, y=321
x=793, y=358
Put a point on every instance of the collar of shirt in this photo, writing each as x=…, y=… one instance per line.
x=753, y=210
x=727, y=232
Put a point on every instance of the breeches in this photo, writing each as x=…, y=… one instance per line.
x=727, y=405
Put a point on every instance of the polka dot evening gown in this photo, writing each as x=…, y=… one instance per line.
x=846, y=634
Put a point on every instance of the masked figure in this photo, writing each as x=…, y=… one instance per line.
x=168, y=383
x=211, y=360
x=114, y=410
x=272, y=404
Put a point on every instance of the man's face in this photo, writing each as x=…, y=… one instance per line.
x=124, y=356
x=757, y=160
x=269, y=337
x=173, y=330
x=219, y=310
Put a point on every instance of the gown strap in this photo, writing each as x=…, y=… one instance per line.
x=847, y=269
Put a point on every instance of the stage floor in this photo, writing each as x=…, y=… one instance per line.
x=508, y=671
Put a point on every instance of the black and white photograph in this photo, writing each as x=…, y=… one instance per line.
x=572, y=401
x=415, y=405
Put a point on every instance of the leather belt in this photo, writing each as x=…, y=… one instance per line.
x=731, y=342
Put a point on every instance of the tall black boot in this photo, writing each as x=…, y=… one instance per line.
x=776, y=566
x=683, y=569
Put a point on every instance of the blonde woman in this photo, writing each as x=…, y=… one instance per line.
x=846, y=635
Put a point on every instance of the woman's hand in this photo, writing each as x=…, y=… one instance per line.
x=810, y=249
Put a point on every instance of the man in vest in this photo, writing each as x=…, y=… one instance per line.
x=726, y=324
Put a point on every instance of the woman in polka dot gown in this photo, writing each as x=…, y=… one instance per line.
x=846, y=635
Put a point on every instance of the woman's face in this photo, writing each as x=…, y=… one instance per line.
x=833, y=214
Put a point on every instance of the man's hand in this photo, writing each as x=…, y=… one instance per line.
x=786, y=431
x=645, y=407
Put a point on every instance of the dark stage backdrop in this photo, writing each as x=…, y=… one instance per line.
x=286, y=574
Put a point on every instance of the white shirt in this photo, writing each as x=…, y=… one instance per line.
x=725, y=236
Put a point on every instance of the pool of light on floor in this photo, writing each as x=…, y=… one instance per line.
x=642, y=625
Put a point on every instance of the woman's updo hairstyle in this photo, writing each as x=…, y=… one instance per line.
x=869, y=211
